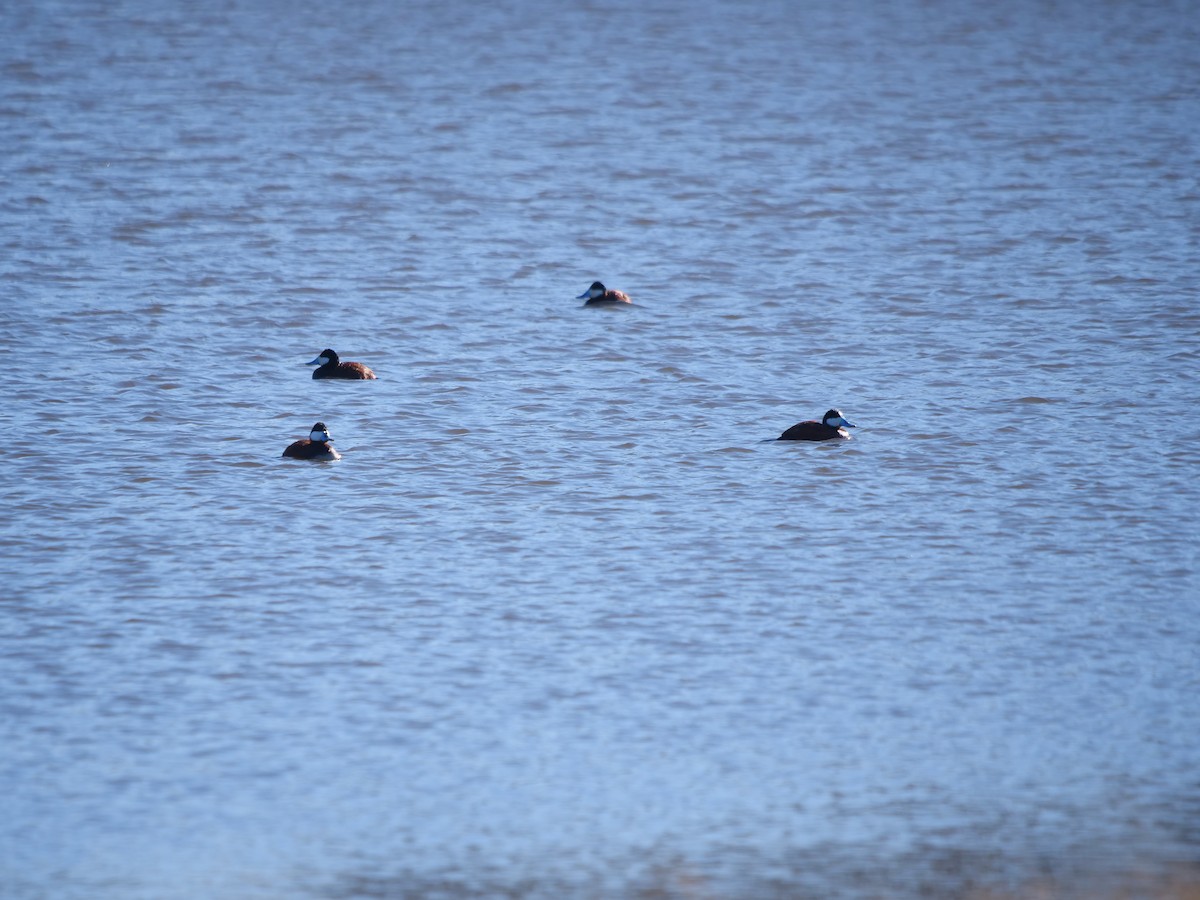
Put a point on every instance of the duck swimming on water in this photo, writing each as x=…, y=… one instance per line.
x=329, y=366
x=831, y=427
x=315, y=446
x=599, y=295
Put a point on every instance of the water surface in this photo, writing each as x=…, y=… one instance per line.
x=561, y=622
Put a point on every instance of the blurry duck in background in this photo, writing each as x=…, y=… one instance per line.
x=329, y=366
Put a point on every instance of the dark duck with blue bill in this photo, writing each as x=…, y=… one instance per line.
x=315, y=446
x=832, y=427
x=329, y=366
x=599, y=295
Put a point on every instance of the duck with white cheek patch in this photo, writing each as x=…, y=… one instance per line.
x=599, y=295
x=330, y=366
x=832, y=427
x=317, y=446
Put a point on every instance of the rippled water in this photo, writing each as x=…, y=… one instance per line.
x=561, y=622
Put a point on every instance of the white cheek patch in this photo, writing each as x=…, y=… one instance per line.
x=322, y=360
x=320, y=437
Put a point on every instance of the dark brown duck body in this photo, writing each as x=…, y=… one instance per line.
x=832, y=427
x=329, y=366
x=599, y=295
x=316, y=446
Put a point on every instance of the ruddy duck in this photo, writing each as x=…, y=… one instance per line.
x=315, y=446
x=831, y=427
x=599, y=295
x=329, y=367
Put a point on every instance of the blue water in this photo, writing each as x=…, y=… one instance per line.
x=562, y=621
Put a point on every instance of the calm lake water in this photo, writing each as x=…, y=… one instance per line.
x=563, y=622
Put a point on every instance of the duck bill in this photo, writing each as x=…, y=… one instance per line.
x=319, y=361
x=583, y=295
